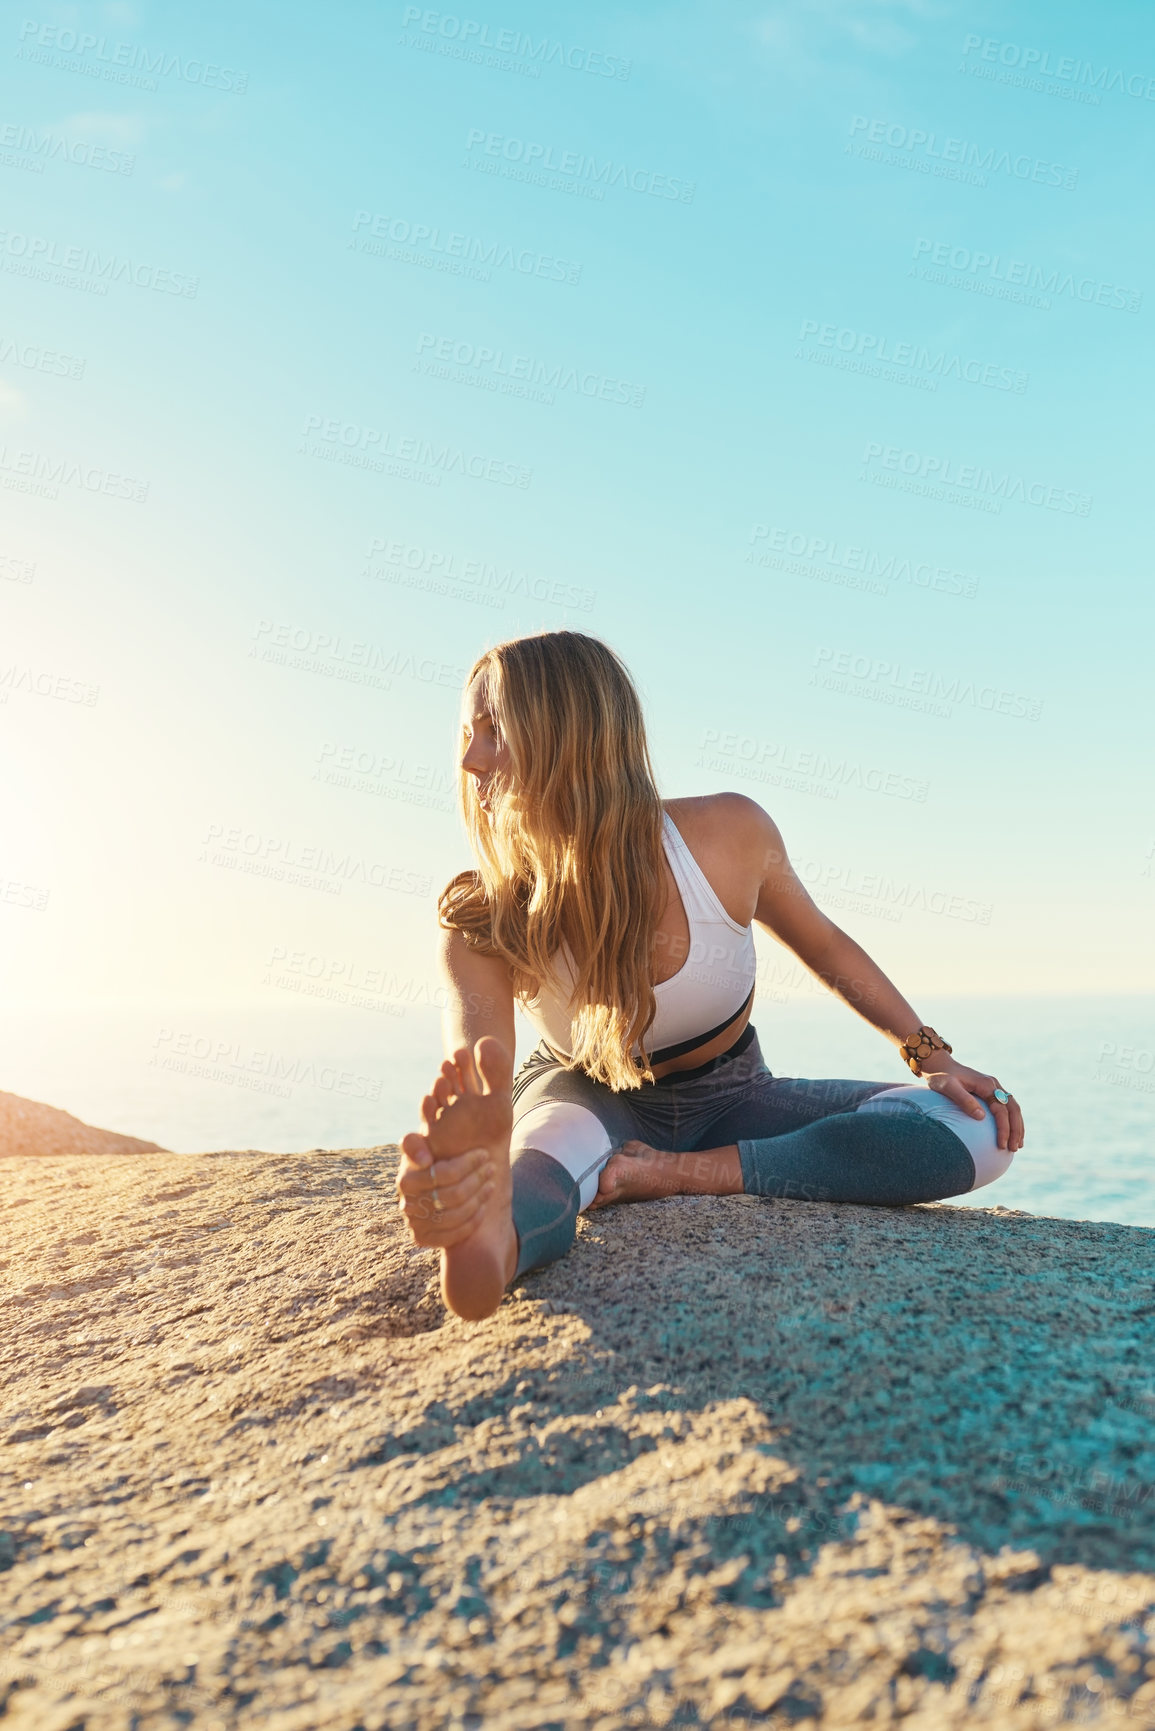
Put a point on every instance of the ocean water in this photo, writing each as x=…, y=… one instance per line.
x=289, y=1079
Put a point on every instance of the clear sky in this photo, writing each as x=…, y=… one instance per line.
x=802, y=352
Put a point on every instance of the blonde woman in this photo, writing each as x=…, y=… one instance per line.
x=622, y=925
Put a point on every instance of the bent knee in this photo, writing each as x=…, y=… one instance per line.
x=980, y=1136
x=991, y=1162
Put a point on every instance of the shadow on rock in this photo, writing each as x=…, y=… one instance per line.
x=990, y=1371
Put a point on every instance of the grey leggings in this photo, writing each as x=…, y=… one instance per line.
x=823, y=1141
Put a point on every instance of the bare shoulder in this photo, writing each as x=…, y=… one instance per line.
x=467, y=968
x=734, y=840
x=729, y=818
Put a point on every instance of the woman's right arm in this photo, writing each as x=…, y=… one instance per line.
x=480, y=995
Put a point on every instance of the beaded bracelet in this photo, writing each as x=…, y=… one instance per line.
x=920, y=1045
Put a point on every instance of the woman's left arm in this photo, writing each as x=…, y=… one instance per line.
x=786, y=910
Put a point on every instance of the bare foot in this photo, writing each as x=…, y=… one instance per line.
x=635, y=1172
x=471, y=1106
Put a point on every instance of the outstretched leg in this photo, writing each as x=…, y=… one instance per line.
x=469, y=1109
x=565, y=1129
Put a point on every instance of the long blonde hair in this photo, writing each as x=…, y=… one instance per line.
x=573, y=850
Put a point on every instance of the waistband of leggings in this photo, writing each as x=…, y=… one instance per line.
x=742, y=1044
x=542, y=1057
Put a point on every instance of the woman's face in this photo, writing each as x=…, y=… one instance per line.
x=483, y=749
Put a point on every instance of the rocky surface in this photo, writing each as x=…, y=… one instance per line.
x=732, y=1462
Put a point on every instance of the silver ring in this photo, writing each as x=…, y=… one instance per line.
x=1001, y=1096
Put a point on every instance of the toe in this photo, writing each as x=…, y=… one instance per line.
x=495, y=1064
x=470, y=1080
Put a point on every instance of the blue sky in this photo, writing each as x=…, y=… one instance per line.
x=829, y=413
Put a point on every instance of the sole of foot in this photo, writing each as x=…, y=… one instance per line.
x=472, y=1107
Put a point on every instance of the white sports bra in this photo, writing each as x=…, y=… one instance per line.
x=710, y=990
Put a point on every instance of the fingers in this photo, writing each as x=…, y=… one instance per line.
x=447, y=1199
x=442, y=1231
x=952, y=1089
x=416, y=1149
x=979, y=1089
x=415, y=1179
x=1008, y=1116
x=1018, y=1134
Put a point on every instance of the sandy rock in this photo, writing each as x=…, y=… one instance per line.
x=733, y=1462
x=27, y=1127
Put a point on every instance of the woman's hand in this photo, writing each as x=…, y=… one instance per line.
x=441, y=1203
x=962, y=1084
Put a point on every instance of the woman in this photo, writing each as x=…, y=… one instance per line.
x=622, y=924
